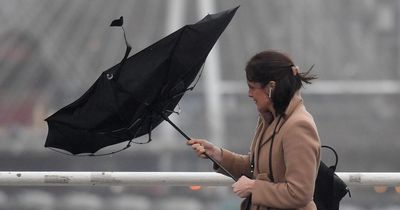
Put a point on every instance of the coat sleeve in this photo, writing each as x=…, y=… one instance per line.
x=301, y=149
x=236, y=164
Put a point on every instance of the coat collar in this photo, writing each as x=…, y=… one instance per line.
x=293, y=104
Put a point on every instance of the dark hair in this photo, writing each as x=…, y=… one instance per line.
x=275, y=66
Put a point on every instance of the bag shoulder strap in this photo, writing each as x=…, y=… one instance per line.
x=271, y=176
x=335, y=153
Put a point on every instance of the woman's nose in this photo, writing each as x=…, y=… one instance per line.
x=249, y=93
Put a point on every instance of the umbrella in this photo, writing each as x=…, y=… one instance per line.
x=133, y=97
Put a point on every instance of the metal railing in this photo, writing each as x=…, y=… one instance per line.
x=64, y=178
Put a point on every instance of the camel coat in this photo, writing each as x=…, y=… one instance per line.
x=295, y=161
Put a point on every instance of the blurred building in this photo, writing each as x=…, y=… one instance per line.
x=51, y=51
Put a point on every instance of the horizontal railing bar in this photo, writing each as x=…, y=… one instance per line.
x=370, y=178
x=64, y=178
x=60, y=178
x=329, y=87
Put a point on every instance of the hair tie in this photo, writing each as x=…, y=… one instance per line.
x=295, y=70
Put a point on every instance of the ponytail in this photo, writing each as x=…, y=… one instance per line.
x=306, y=77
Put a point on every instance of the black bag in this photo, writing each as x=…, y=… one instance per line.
x=329, y=188
x=246, y=203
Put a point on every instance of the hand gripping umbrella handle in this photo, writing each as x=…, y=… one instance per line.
x=209, y=157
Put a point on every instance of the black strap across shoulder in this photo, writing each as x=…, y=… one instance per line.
x=270, y=175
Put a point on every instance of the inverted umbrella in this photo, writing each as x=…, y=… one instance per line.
x=133, y=97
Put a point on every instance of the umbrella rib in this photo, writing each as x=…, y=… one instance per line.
x=175, y=112
x=138, y=130
x=127, y=128
x=110, y=153
x=187, y=89
x=198, y=78
x=92, y=154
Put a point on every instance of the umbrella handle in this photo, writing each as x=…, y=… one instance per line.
x=188, y=138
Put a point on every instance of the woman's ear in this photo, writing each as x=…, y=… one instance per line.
x=269, y=87
x=272, y=84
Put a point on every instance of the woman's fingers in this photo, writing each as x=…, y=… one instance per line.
x=202, y=147
x=190, y=142
x=243, y=187
x=200, y=150
x=195, y=141
x=197, y=147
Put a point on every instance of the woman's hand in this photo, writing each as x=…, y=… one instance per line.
x=202, y=146
x=243, y=187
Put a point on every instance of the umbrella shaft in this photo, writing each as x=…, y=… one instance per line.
x=176, y=127
x=221, y=167
x=188, y=138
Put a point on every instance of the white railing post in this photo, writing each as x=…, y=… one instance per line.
x=212, y=83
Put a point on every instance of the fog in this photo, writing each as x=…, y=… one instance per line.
x=51, y=51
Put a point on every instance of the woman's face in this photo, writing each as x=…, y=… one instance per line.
x=259, y=94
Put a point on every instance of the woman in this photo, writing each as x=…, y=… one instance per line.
x=285, y=130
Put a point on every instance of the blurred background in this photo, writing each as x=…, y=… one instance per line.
x=51, y=51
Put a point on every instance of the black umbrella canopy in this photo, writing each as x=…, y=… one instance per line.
x=134, y=96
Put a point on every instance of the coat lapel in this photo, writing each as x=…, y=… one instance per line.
x=264, y=132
